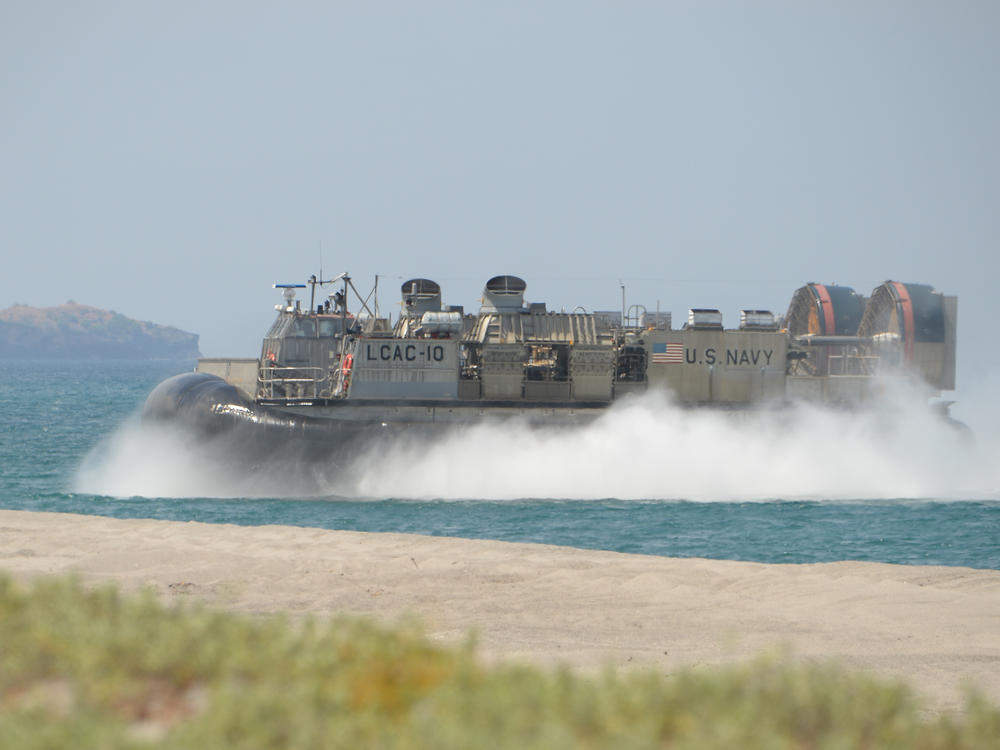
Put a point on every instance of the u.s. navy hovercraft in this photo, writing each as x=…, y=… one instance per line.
x=333, y=375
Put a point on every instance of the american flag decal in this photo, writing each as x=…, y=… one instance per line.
x=668, y=353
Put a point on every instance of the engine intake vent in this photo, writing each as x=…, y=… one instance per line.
x=504, y=294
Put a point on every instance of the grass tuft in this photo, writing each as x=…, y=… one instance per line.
x=86, y=667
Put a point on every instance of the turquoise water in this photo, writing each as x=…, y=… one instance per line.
x=809, y=488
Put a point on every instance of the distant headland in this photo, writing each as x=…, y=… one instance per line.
x=75, y=331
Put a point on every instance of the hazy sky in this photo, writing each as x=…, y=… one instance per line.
x=172, y=160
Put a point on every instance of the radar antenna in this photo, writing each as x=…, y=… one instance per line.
x=288, y=291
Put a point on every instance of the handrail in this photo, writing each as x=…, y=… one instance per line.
x=292, y=382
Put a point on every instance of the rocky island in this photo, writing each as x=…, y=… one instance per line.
x=75, y=331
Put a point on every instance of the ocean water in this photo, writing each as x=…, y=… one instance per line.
x=808, y=485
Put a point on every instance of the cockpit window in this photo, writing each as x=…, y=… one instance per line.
x=329, y=326
x=304, y=328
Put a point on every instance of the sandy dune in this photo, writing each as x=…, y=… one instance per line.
x=936, y=627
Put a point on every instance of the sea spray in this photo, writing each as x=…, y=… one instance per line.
x=649, y=448
x=642, y=448
x=143, y=459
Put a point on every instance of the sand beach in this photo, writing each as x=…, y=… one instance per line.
x=938, y=628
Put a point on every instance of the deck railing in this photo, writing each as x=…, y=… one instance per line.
x=296, y=382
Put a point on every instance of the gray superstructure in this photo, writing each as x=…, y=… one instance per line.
x=438, y=365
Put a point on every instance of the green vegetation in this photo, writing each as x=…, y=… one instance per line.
x=95, y=669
